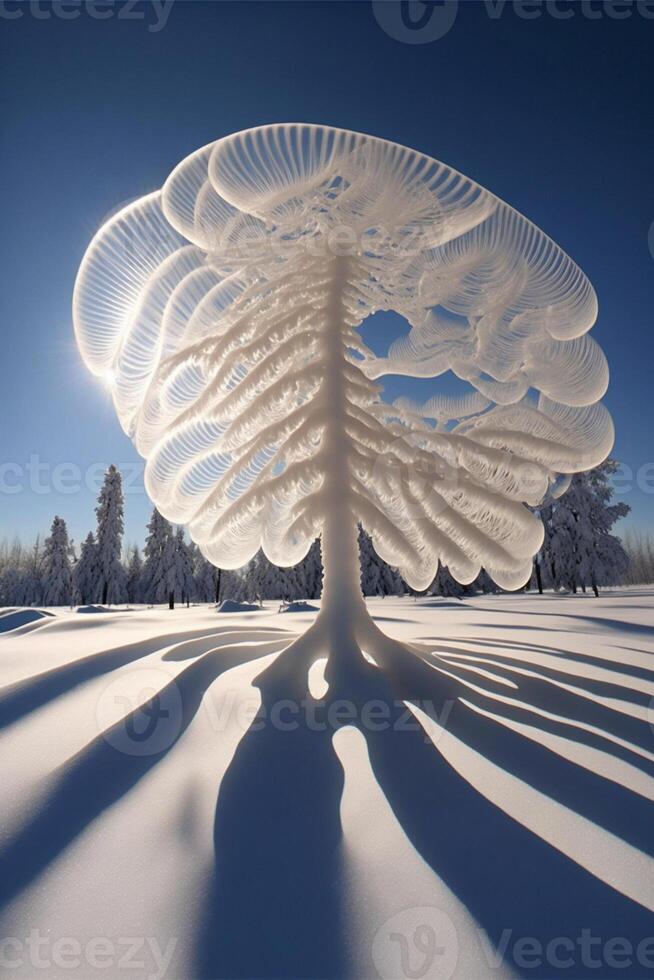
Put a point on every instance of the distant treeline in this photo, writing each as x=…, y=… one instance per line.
x=579, y=552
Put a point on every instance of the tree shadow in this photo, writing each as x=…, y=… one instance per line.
x=594, y=622
x=275, y=908
x=112, y=764
x=507, y=876
x=629, y=669
x=493, y=720
x=515, y=884
x=24, y=697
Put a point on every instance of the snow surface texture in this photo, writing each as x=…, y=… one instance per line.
x=513, y=801
x=223, y=313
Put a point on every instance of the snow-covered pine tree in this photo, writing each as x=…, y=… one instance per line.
x=192, y=586
x=13, y=562
x=602, y=559
x=290, y=587
x=135, y=576
x=57, y=574
x=10, y=582
x=21, y=582
x=206, y=578
x=159, y=566
x=85, y=572
x=262, y=579
x=377, y=578
x=309, y=573
x=183, y=568
x=539, y=575
x=446, y=586
x=544, y=572
x=639, y=547
x=248, y=590
x=214, y=584
x=561, y=561
x=32, y=577
x=579, y=549
x=109, y=512
x=484, y=583
x=170, y=561
x=579, y=505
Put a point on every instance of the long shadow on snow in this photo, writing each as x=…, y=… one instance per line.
x=613, y=806
x=572, y=656
x=507, y=876
x=510, y=666
x=594, y=622
x=274, y=908
x=100, y=774
x=22, y=698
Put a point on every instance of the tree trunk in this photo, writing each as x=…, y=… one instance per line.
x=539, y=577
x=171, y=600
x=105, y=592
x=342, y=599
x=218, y=576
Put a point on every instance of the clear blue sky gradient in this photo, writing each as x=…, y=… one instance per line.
x=554, y=116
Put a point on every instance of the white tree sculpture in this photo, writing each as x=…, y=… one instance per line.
x=223, y=312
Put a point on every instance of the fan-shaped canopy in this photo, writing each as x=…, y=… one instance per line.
x=210, y=305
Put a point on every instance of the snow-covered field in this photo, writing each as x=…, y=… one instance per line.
x=502, y=826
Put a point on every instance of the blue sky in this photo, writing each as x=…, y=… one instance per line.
x=554, y=115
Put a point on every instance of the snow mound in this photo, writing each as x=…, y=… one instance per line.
x=93, y=609
x=231, y=606
x=15, y=618
x=299, y=607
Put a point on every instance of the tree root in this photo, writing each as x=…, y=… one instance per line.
x=360, y=658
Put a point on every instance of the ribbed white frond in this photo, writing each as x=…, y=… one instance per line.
x=213, y=306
